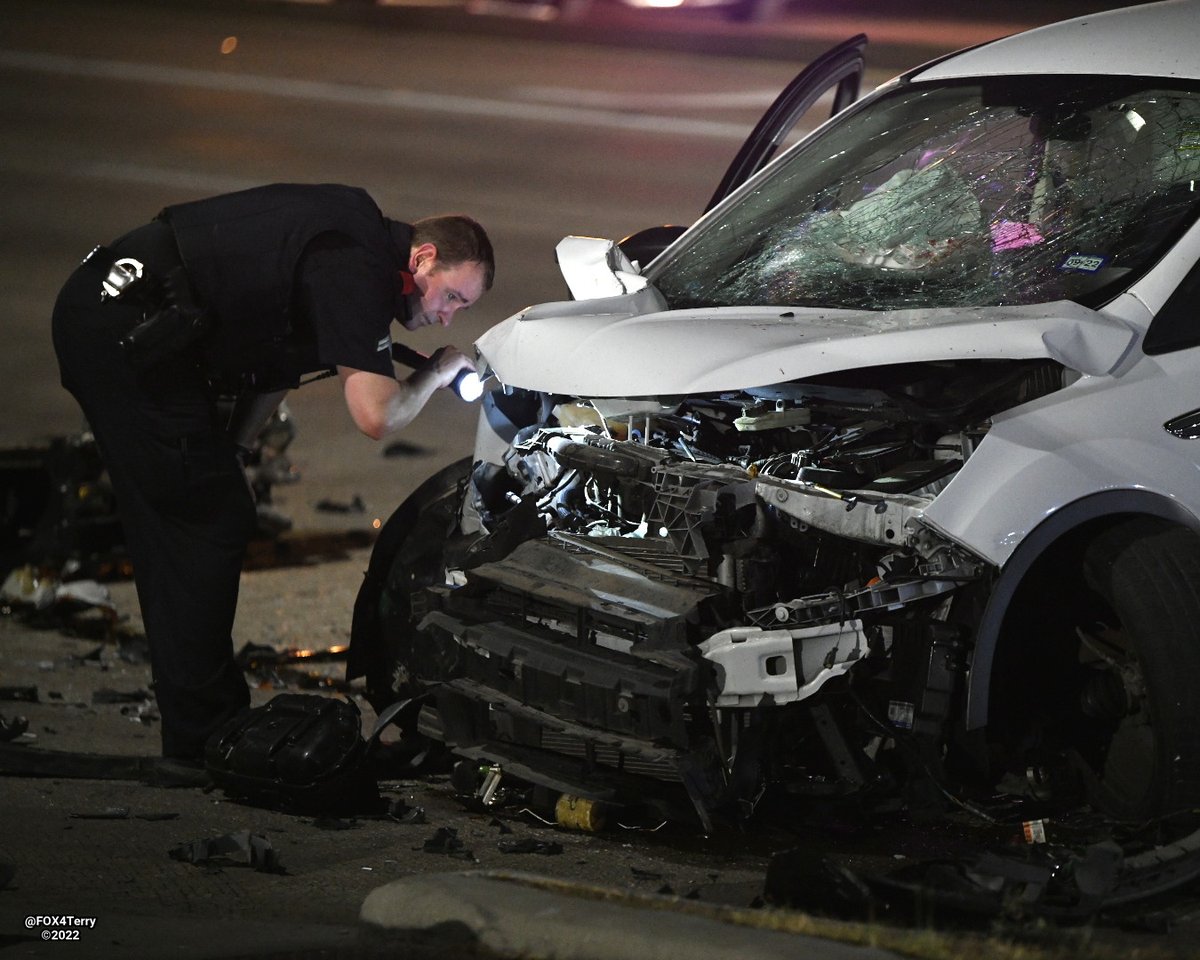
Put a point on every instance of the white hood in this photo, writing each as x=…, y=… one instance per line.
x=628, y=346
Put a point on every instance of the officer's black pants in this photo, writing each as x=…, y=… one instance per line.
x=185, y=508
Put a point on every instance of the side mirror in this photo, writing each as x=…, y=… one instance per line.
x=645, y=245
x=594, y=267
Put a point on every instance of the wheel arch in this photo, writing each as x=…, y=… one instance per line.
x=1068, y=529
x=365, y=656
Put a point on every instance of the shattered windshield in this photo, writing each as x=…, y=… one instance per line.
x=1002, y=191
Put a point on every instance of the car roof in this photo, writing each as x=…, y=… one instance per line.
x=1151, y=40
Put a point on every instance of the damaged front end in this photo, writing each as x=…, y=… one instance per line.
x=687, y=602
x=859, y=450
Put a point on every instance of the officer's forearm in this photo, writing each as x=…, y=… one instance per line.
x=412, y=395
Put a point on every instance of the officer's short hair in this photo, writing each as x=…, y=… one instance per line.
x=459, y=239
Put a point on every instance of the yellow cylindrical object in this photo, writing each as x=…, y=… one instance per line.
x=579, y=813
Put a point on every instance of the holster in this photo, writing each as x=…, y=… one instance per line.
x=172, y=320
x=175, y=324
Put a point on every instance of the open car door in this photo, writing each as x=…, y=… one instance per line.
x=838, y=70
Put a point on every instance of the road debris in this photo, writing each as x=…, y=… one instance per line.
x=61, y=519
x=1035, y=831
x=445, y=841
x=239, y=849
x=334, y=823
x=402, y=812
x=107, y=695
x=108, y=813
x=1075, y=881
x=356, y=505
x=281, y=669
x=545, y=848
x=304, y=753
x=11, y=729
x=579, y=813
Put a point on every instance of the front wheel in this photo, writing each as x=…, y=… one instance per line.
x=1141, y=653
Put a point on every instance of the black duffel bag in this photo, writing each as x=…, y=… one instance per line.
x=303, y=753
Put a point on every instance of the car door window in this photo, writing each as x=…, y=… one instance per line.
x=836, y=73
x=1177, y=324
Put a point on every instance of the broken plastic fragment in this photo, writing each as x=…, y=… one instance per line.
x=108, y=813
x=107, y=695
x=26, y=585
x=32, y=587
x=242, y=848
x=546, y=848
x=401, y=812
x=87, y=593
x=357, y=505
x=11, y=729
x=446, y=841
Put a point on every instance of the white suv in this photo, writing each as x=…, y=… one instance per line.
x=883, y=477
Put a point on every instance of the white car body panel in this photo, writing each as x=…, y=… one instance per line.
x=573, y=348
x=1096, y=435
x=1154, y=40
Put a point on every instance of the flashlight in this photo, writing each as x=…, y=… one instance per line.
x=467, y=384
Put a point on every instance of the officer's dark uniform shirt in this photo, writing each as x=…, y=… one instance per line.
x=300, y=278
x=342, y=310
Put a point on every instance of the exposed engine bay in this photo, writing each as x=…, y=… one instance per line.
x=721, y=593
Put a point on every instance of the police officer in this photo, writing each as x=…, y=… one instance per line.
x=246, y=292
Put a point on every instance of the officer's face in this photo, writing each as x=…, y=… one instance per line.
x=442, y=291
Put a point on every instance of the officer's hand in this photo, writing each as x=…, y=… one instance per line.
x=446, y=363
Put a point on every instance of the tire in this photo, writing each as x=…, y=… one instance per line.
x=407, y=557
x=1143, y=575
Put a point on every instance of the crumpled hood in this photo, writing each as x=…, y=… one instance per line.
x=628, y=346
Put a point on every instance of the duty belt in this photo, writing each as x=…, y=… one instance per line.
x=171, y=320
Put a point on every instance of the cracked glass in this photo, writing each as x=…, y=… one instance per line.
x=1007, y=191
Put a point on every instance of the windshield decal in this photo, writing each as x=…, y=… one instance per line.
x=1084, y=262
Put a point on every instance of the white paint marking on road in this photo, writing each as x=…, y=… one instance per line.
x=395, y=99
x=121, y=172
x=654, y=101
x=165, y=177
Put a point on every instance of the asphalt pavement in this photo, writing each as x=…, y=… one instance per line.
x=902, y=33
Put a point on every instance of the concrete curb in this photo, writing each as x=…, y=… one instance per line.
x=522, y=915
